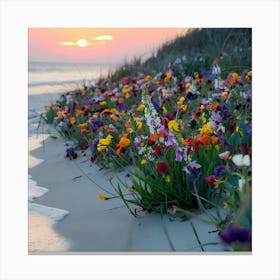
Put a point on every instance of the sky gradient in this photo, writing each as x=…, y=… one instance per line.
x=96, y=45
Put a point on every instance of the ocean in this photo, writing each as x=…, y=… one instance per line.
x=46, y=81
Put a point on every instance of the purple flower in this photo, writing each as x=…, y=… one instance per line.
x=86, y=100
x=233, y=233
x=178, y=156
x=122, y=107
x=96, y=123
x=156, y=106
x=218, y=170
x=185, y=169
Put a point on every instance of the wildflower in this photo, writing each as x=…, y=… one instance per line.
x=225, y=155
x=102, y=197
x=218, y=170
x=140, y=108
x=143, y=161
x=184, y=107
x=114, y=117
x=104, y=143
x=84, y=131
x=83, y=125
x=240, y=160
x=153, y=138
x=205, y=139
x=173, y=126
x=96, y=123
x=212, y=180
x=179, y=156
x=157, y=150
x=162, y=167
x=225, y=204
x=167, y=77
x=181, y=100
x=102, y=103
x=233, y=233
x=206, y=129
x=72, y=120
x=203, y=119
x=123, y=144
x=70, y=153
x=186, y=170
x=168, y=179
x=147, y=78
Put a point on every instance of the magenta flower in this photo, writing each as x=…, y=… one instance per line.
x=162, y=167
x=224, y=155
x=211, y=180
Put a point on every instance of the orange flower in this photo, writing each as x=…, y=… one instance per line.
x=83, y=125
x=121, y=100
x=153, y=137
x=205, y=139
x=78, y=112
x=84, y=131
x=214, y=139
x=147, y=78
x=72, y=120
x=213, y=106
x=168, y=77
x=102, y=196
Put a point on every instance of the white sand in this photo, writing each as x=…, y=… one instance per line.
x=104, y=226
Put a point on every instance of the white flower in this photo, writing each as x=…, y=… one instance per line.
x=241, y=160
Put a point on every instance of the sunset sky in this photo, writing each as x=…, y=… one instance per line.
x=96, y=45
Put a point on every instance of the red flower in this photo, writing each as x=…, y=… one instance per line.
x=162, y=167
x=157, y=150
x=211, y=180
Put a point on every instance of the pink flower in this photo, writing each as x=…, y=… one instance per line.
x=162, y=167
x=224, y=155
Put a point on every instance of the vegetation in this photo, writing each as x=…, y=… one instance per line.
x=183, y=121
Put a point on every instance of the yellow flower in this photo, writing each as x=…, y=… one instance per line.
x=181, y=100
x=203, y=119
x=168, y=179
x=72, y=120
x=103, y=103
x=122, y=113
x=138, y=122
x=184, y=107
x=143, y=161
x=141, y=108
x=147, y=78
x=187, y=86
x=225, y=204
x=104, y=143
x=114, y=117
x=82, y=125
x=59, y=114
x=206, y=129
x=164, y=109
x=173, y=125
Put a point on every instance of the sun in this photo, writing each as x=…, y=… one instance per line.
x=82, y=43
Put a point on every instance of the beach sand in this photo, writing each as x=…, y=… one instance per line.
x=96, y=226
